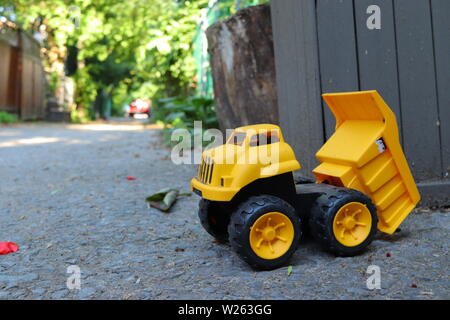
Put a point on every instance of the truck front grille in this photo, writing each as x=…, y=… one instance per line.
x=205, y=170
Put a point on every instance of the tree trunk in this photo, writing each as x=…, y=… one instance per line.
x=243, y=68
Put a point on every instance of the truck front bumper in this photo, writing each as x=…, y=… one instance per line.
x=213, y=193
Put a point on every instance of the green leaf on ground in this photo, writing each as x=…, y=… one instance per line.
x=289, y=270
x=163, y=199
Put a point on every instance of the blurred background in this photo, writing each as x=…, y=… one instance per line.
x=83, y=59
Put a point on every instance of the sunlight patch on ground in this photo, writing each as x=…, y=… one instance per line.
x=112, y=127
x=30, y=141
x=76, y=142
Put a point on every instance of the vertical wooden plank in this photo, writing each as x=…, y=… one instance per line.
x=14, y=75
x=39, y=85
x=285, y=57
x=418, y=88
x=377, y=52
x=27, y=88
x=441, y=27
x=298, y=84
x=30, y=89
x=337, y=50
x=41, y=88
x=4, y=74
x=35, y=90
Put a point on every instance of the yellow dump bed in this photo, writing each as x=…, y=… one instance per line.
x=365, y=154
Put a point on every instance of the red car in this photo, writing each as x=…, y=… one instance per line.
x=139, y=106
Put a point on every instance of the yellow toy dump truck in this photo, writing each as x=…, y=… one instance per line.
x=363, y=183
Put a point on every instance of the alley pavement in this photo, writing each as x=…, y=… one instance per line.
x=66, y=201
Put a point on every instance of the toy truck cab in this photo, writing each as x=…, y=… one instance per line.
x=250, y=154
x=363, y=184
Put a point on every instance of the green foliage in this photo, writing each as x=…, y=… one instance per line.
x=53, y=83
x=176, y=113
x=6, y=117
x=131, y=49
x=77, y=116
x=143, y=47
x=85, y=91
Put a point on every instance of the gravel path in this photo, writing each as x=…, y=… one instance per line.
x=66, y=201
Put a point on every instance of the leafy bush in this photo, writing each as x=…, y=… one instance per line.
x=78, y=116
x=175, y=113
x=6, y=117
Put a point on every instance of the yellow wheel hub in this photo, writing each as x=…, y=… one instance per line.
x=271, y=235
x=352, y=224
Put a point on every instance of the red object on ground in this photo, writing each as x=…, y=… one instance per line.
x=414, y=285
x=8, y=247
x=388, y=254
x=131, y=178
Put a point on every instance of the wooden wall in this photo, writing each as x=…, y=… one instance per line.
x=325, y=46
x=22, y=78
x=5, y=54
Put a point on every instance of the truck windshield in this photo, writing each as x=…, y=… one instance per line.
x=264, y=138
x=237, y=138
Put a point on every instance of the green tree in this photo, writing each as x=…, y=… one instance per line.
x=130, y=48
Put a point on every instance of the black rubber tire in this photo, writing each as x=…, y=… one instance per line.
x=322, y=216
x=246, y=215
x=131, y=115
x=214, y=218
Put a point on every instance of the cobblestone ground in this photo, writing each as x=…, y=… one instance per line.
x=66, y=201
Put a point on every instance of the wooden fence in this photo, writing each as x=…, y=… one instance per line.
x=22, y=79
x=326, y=46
